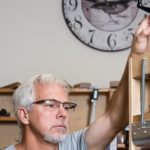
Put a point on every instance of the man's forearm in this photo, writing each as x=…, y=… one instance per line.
x=118, y=109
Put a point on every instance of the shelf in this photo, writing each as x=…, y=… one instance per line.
x=85, y=91
x=8, y=119
x=6, y=91
x=73, y=90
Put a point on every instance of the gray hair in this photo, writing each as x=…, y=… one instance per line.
x=24, y=95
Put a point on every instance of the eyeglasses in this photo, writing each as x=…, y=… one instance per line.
x=54, y=104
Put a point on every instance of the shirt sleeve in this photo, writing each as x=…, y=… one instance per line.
x=11, y=147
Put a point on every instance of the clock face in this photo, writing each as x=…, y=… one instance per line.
x=105, y=25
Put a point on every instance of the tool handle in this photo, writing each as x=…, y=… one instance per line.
x=93, y=107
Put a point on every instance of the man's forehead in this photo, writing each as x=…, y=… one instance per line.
x=47, y=85
x=49, y=88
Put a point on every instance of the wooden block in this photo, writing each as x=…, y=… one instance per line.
x=113, y=84
x=12, y=85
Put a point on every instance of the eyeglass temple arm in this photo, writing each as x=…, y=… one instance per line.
x=140, y=5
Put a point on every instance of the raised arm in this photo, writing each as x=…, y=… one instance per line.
x=104, y=129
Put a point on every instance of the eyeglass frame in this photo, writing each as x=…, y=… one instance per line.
x=43, y=101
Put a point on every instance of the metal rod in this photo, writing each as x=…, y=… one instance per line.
x=143, y=91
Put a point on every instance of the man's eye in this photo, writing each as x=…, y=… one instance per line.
x=50, y=105
x=66, y=107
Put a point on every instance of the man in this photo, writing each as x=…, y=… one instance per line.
x=42, y=109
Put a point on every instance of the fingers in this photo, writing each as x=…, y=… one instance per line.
x=143, y=32
x=141, y=42
x=142, y=35
x=144, y=28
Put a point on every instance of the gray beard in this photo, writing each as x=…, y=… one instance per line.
x=53, y=139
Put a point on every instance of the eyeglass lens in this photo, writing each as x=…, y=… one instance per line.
x=54, y=104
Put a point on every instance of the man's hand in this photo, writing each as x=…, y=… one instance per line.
x=141, y=41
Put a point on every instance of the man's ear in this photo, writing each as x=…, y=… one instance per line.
x=23, y=115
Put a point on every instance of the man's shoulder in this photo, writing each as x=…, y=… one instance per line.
x=74, y=141
x=77, y=134
x=11, y=147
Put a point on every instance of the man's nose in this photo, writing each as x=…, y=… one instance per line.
x=62, y=113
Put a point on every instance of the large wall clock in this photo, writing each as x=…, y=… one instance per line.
x=104, y=25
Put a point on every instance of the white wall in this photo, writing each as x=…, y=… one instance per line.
x=35, y=39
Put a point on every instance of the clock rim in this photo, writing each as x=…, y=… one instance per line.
x=94, y=48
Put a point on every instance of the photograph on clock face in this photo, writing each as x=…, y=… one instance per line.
x=110, y=15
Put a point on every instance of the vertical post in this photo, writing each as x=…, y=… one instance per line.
x=142, y=90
